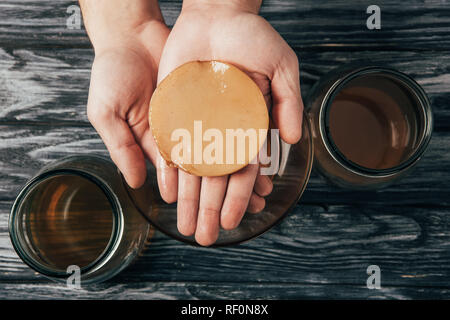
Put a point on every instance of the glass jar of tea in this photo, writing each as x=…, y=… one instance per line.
x=370, y=125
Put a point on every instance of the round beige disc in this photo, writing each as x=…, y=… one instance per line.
x=208, y=118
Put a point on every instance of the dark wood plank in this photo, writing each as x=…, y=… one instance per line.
x=306, y=24
x=52, y=85
x=216, y=290
x=312, y=248
x=45, y=85
x=24, y=149
x=313, y=245
x=31, y=23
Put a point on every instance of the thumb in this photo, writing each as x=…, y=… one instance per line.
x=121, y=144
x=287, y=102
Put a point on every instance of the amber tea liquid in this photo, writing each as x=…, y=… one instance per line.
x=372, y=122
x=70, y=221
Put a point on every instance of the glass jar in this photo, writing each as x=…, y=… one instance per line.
x=76, y=212
x=368, y=149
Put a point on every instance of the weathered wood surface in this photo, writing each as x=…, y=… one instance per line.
x=313, y=245
x=322, y=249
x=39, y=74
x=306, y=24
x=25, y=148
x=168, y=290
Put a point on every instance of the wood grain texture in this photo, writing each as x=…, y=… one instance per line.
x=33, y=85
x=25, y=148
x=218, y=290
x=323, y=247
x=306, y=24
x=313, y=246
x=39, y=74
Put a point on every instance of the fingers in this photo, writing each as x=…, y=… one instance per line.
x=263, y=185
x=287, y=100
x=167, y=180
x=188, y=200
x=256, y=203
x=240, y=186
x=212, y=194
x=121, y=144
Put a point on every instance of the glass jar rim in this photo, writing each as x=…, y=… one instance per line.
x=14, y=219
x=406, y=81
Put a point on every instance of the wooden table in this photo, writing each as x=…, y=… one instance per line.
x=322, y=249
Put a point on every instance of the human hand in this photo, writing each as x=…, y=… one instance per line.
x=123, y=78
x=231, y=31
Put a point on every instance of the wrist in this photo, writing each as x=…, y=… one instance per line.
x=150, y=36
x=250, y=6
x=111, y=23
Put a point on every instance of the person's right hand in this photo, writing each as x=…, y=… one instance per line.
x=233, y=32
x=123, y=79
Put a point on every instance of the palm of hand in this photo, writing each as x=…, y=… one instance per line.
x=249, y=42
